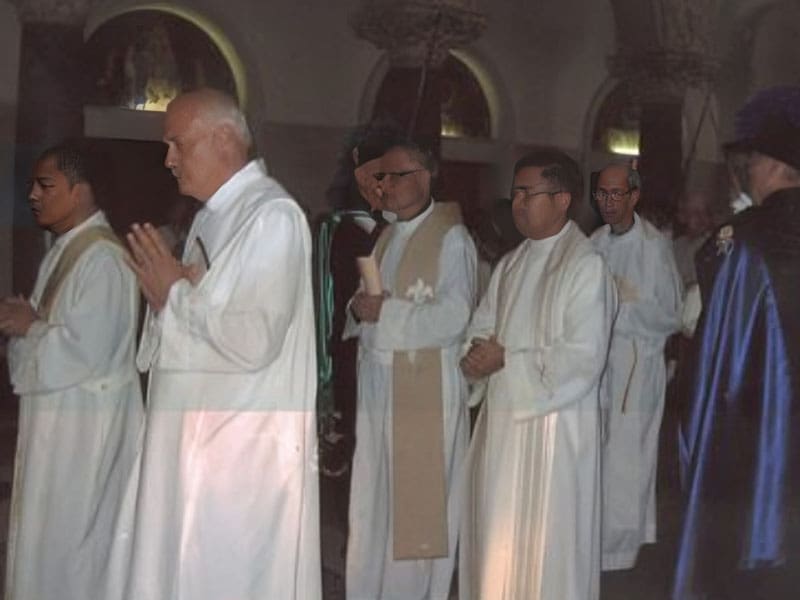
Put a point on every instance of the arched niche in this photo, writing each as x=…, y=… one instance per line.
x=181, y=34
x=159, y=46
x=141, y=60
x=615, y=129
x=472, y=106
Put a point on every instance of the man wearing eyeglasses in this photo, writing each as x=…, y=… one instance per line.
x=538, y=342
x=411, y=420
x=650, y=295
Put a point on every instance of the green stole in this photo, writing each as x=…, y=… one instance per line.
x=69, y=257
x=419, y=487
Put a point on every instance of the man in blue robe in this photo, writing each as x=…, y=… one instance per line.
x=740, y=438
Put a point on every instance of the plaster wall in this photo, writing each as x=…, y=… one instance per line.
x=551, y=58
x=9, y=66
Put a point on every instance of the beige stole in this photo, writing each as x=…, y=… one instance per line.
x=69, y=257
x=419, y=488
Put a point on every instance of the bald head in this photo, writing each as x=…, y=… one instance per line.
x=617, y=194
x=215, y=108
x=208, y=141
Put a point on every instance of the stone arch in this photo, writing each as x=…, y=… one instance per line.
x=231, y=53
x=500, y=113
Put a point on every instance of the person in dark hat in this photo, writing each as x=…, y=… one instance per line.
x=740, y=437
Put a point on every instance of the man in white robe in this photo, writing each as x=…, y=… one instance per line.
x=650, y=293
x=71, y=361
x=404, y=510
x=538, y=347
x=228, y=499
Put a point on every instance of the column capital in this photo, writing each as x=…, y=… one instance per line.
x=663, y=75
x=413, y=31
x=665, y=46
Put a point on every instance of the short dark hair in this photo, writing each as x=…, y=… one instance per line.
x=419, y=152
x=557, y=168
x=632, y=176
x=375, y=138
x=72, y=159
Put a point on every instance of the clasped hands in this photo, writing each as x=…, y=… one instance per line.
x=16, y=316
x=485, y=356
x=155, y=266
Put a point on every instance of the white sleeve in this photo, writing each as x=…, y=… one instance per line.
x=483, y=325
x=240, y=326
x=548, y=378
x=655, y=317
x=441, y=322
x=484, y=319
x=94, y=314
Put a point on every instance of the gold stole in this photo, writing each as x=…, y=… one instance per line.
x=69, y=257
x=419, y=488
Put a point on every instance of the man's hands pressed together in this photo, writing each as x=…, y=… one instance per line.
x=155, y=266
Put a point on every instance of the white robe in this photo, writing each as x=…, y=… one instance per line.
x=650, y=292
x=80, y=423
x=372, y=572
x=228, y=499
x=531, y=529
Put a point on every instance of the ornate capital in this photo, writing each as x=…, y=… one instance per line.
x=413, y=31
x=65, y=12
x=665, y=46
x=662, y=75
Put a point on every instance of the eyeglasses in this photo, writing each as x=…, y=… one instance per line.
x=602, y=195
x=526, y=194
x=393, y=176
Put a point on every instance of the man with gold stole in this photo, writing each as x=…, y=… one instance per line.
x=538, y=342
x=71, y=361
x=411, y=419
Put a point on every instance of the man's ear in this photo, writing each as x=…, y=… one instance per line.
x=563, y=200
x=220, y=134
x=81, y=194
x=634, y=197
x=224, y=136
